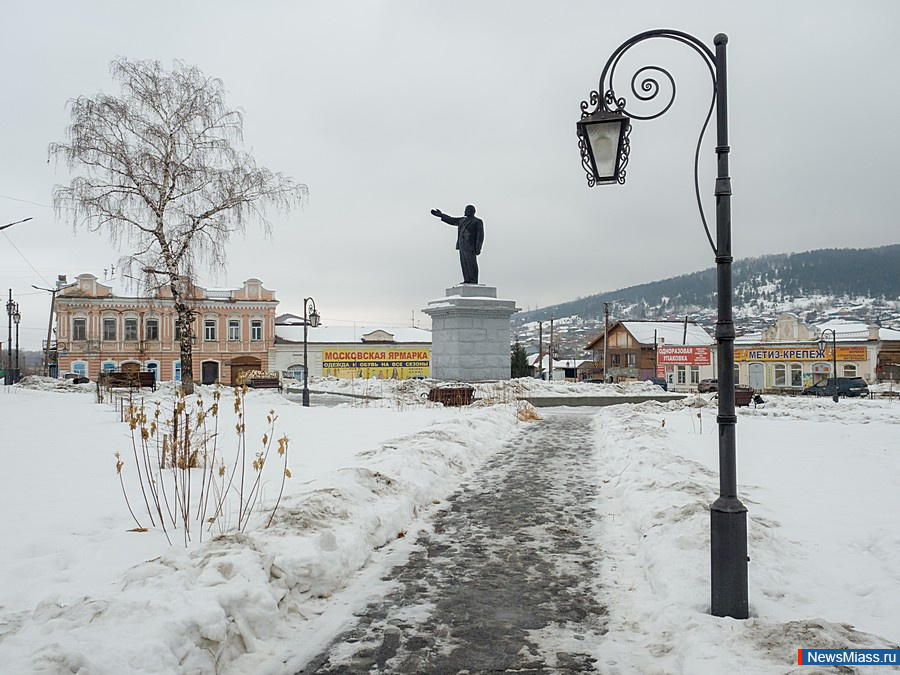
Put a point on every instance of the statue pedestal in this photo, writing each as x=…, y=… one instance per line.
x=470, y=334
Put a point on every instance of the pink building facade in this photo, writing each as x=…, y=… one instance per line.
x=97, y=330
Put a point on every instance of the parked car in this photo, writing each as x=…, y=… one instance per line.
x=660, y=381
x=593, y=380
x=846, y=386
x=708, y=386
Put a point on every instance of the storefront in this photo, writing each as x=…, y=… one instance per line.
x=790, y=356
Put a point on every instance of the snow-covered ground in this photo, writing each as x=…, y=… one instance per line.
x=80, y=591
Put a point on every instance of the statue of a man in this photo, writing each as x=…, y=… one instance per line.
x=469, y=238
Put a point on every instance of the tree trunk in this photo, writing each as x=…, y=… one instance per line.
x=186, y=344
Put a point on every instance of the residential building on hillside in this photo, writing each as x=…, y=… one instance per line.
x=564, y=370
x=680, y=351
x=344, y=352
x=789, y=355
x=101, y=329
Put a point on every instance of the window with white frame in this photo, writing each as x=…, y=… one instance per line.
x=737, y=374
x=629, y=361
x=681, y=374
x=176, y=371
x=79, y=329
x=234, y=329
x=131, y=329
x=151, y=329
x=849, y=370
x=109, y=329
x=108, y=366
x=209, y=329
x=780, y=373
x=256, y=330
x=80, y=369
x=695, y=374
x=796, y=375
x=153, y=367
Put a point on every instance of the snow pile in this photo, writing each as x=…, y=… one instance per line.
x=65, y=608
x=824, y=545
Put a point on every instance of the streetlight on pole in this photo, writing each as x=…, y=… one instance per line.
x=822, y=345
x=603, y=138
x=25, y=220
x=310, y=318
x=10, y=305
x=16, y=318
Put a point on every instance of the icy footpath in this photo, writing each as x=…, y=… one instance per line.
x=196, y=611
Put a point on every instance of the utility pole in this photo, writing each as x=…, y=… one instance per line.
x=60, y=285
x=605, y=337
x=540, y=361
x=550, y=353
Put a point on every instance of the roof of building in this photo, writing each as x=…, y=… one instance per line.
x=671, y=332
x=293, y=332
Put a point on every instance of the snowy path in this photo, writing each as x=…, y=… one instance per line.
x=504, y=579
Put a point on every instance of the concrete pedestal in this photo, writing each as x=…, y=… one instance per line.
x=470, y=334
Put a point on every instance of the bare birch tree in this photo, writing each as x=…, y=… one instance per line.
x=159, y=168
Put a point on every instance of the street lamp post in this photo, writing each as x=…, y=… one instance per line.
x=603, y=133
x=822, y=344
x=10, y=305
x=310, y=318
x=16, y=318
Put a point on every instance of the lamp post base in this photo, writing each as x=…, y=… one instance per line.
x=305, y=397
x=728, y=538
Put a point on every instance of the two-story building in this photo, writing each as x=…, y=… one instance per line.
x=679, y=351
x=100, y=329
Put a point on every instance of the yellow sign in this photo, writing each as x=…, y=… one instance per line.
x=382, y=364
x=855, y=353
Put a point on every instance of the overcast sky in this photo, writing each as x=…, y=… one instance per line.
x=387, y=109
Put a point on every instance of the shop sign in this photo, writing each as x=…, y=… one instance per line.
x=684, y=356
x=382, y=364
x=855, y=353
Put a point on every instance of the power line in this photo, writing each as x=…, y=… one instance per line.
x=25, y=259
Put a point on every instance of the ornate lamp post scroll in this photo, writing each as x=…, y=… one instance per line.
x=834, y=374
x=310, y=318
x=603, y=138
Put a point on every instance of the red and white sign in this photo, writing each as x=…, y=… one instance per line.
x=683, y=356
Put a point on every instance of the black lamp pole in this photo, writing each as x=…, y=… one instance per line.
x=605, y=147
x=16, y=318
x=310, y=318
x=8, y=379
x=834, y=373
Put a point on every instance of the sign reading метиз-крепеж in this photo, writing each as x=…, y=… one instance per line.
x=839, y=657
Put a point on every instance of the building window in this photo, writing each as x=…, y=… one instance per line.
x=109, y=330
x=209, y=330
x=131, y=329
x=737, y=374
x=849, y=370
x=680, y=374
x=256, y=330
x=294, y=372
x=695, y=374
x=614, y=360
x=234, y=329
x=80, y=369
x=629, y=360
x=108, y=366
x=79, y=330
x=176, y=371
x=152, y=329
x=153, y=367
x=796, y=375
x=780, y=375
